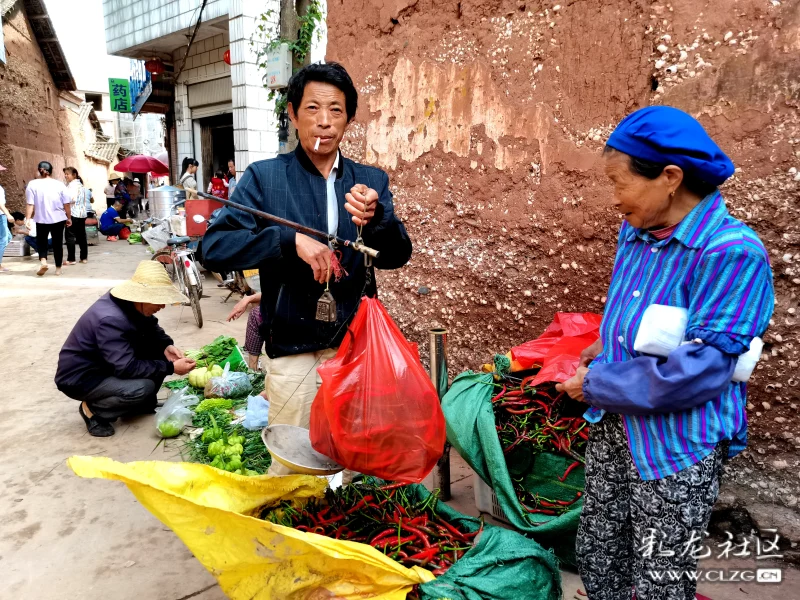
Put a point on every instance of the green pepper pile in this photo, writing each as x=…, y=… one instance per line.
x=531, y=420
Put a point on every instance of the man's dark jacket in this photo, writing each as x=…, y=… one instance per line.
x=290, y=186
x=112, y=338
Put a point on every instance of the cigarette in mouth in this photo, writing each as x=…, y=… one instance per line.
x=316, y=146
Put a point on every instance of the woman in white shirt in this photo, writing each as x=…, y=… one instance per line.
x=79, y=210
x=188, y=179
x=48, y=203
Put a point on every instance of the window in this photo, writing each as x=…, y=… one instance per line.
x=96, y=100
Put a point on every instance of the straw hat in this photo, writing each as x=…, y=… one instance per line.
x=151, y=284
x=114, y=175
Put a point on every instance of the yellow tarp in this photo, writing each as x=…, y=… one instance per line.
x=253, y=559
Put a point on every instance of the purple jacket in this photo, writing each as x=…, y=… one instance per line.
x=110, y=339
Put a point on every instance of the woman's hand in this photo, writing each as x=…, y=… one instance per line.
x=574, y=386
x=590, y=353
x=239, y=308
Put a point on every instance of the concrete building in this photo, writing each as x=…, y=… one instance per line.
x=214, y=111
x=41, y=117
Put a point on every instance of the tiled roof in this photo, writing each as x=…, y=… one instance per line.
x=103, y=151
x=48, y=43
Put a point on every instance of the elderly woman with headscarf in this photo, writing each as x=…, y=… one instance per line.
x=662, y=427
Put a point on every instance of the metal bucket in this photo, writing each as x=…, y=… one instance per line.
x=162, y=200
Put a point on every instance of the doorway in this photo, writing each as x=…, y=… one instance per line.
x=216, y=143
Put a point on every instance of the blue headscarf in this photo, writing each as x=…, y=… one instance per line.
x=666, y=135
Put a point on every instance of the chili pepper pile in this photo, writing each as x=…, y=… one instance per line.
x=529, y=419
x=386, y=518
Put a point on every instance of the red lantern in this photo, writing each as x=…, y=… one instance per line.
x=154, y=66
x=227, y=56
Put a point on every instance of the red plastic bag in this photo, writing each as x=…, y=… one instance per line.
x=377, y=411
x=559, y=348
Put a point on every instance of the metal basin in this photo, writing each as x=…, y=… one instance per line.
x=291, y=446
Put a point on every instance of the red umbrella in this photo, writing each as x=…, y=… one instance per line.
x=143, y=164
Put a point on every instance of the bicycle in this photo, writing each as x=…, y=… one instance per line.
x=178, y=259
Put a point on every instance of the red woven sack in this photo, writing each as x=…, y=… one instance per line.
x=377, y=411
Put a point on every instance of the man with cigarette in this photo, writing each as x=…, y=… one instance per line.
x=317, y=187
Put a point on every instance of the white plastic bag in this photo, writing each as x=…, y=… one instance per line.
x=157, y=236
x=663, y=328
x=747, y=361
x=257, y=415
x=228, y=385
x=175, y=414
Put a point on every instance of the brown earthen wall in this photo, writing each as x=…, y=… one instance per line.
x=490, y=117
x=33, y=126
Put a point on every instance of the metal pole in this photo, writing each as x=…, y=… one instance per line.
x=357, y=245
x=439, y=377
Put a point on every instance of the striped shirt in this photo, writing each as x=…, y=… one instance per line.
x=716, y=268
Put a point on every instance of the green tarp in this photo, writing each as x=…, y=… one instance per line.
x=503, y=565
x=471, y=430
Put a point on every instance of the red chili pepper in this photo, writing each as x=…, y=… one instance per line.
x=422, y=537
x=453, y=530
x=514, y=394
x=581, y=592
x=361, y=504
x=569, y=470
x=393, y=486
x=500, y=395
x=385, y=533
x=543, y=511
x=526, y=381
x=474, y=533
x=392, y=540
x=522, y=412
x=427, y=553
x=335, y=519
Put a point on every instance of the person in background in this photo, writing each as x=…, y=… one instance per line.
x=253, y=342
x=80, y=209
x=137, y=194
x=48, y=202
x=6, y=223
x=111, y=223
x=218, y=186
x=122, y=194
x=188, y=175
x=29, y=231
x=230, y=177
x=113, y=179
x=294, y=268
x=117, y=355
x=662, y=427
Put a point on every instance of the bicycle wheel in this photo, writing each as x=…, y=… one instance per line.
x=198, y=278
x=164, y=256
x=194, y=300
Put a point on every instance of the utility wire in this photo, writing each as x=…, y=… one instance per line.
x=191, y=40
